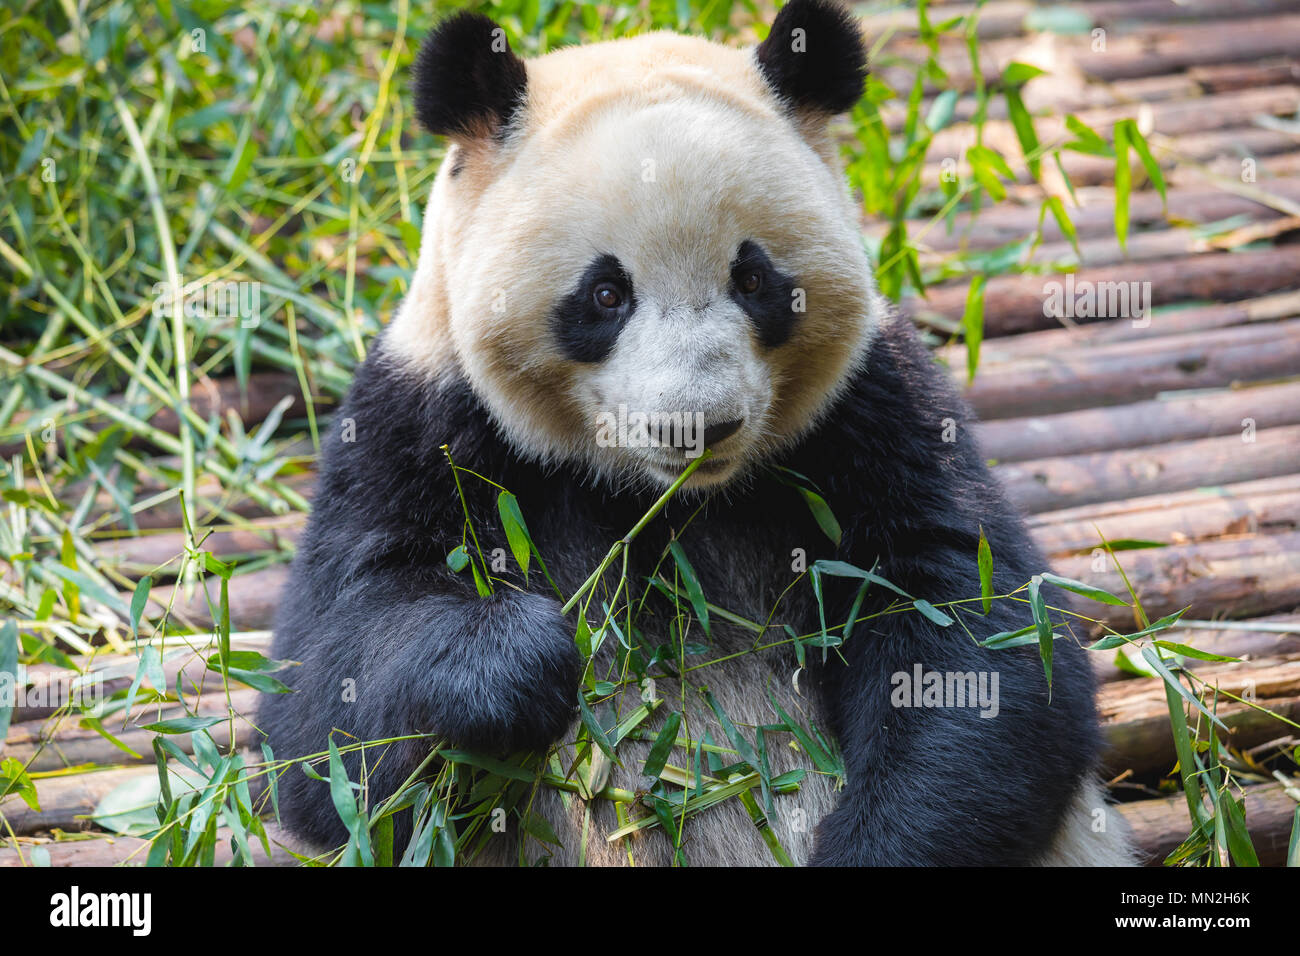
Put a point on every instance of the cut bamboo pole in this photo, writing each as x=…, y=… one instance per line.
x=1236, y=578
x=1006, y=223
x=1160, y=826
x=1136, y=370
x=1255, y=646
x=1141, y=424
x=1174, y=117
x=1050, y=484
x=253, y=599
x=1137, y=50
x=117, y=850
x=1179, y=518
x=1124, y=292
x=40, y=747
x=1055, y=342
x=1135, y=714
x=141, y=554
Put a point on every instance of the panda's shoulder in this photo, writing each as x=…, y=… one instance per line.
x=385, y=446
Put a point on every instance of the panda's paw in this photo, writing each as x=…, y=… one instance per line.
x=512, y=683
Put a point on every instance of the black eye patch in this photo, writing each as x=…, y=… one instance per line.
x=588, y=320
x=764, y=292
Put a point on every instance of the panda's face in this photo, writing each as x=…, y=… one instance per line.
x=652, y=258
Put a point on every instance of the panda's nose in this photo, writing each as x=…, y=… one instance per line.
x=716, y=433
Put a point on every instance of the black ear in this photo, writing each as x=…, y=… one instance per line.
x=814, y=58
x=468, y=82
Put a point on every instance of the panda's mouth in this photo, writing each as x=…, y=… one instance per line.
x=707, y=472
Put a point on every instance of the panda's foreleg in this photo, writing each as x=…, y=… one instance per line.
x=396, y=654
x=948, y=785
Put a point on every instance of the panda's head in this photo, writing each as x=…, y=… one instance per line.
x=636, y=248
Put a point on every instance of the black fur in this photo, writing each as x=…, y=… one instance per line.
x=584, y=331
x=463, y=85
x=771, y=307
x=828, y=69
x=371, y=600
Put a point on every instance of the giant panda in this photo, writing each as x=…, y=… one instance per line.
x=661, y=223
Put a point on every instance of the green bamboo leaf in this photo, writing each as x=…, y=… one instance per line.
x=594, y=728
x=1139, y=144
x=537, y=826
x=138, y=600
x=14, y=778
x=1293, y=849
x=932, y=613
x=1123, y=184
x=182, y=725
x=1239, y=843
x=97, y=725
x=1017, y=75
x=1086, y=140
x=816, y=752
x=1117, y=640
x=345, y=802
x=1023, y=124
x=841, y=569
x=8, y=671
x=693, y=592
x=990, y=158
x=1152, y=657
x=972, y=324
x=941, y=111
x=663, y=745
x=1017, y=638
x=383, y=839
x=490, y=764
x=1188, y=651
x=1054, y=205
x=985, y=557
x=512, y=520
x=1043, y=624
x=822, y=514
x=1087, y=590
x=738, y=740
x=480, y=583
x=457, y=558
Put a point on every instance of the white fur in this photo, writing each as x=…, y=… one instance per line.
x=1092, y=834
x=666, y=152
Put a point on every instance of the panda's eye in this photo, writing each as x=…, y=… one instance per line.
x=607, y=296
x=749, y=280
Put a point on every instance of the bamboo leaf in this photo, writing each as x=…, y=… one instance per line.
x=663, y=745
x=985, y=558
x=512, y=520
x=1087, y=590
x=1123, y=184
x=1043, y=625
x=932, y=613
x=972, y=324
x=1152, y=657
x=692, y=583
